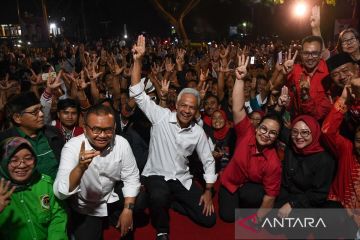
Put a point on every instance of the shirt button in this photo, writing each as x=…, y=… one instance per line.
x=22, y=201
x=29, y=220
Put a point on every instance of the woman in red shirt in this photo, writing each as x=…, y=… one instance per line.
x=252, y=177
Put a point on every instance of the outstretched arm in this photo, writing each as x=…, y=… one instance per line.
x=238, y=91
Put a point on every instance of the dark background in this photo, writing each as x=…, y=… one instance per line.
x=210, y=19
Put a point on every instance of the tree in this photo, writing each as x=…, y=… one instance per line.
x=174, y=13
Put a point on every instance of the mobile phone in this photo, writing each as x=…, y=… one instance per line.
x=45, y=76
x=252, y=60
x=280, y=57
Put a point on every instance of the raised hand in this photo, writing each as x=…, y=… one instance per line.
x=180, y=56
x=164, y=88
x=284, y=98
x=169, y=66
x=315, y=17
x=5, y=193
x=289, y=62
x=203, y=90
x=240, y=71
x=203, y=75
x=54, y=82
x=138, y=49
x=86, y=156
x=225, y=68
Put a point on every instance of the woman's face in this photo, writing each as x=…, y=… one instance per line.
x=267, y=132
x=21, y=165
x=218, y=120
x=301, y=135
x=349, y=43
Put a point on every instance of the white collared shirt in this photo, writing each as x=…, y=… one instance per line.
x=170, y=145
x=96, y=187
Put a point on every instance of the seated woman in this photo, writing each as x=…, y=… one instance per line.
x=307, y=168
x=252, y=177
x=34, y=212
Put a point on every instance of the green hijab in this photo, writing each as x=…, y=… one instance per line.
x=8, y=148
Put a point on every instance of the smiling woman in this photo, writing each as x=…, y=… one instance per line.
x=30, y=193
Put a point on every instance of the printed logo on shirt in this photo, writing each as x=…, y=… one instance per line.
x=45, y=201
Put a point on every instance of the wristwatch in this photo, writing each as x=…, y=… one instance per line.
x=129, y=206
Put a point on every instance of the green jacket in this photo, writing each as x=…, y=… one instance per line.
x=34, y=213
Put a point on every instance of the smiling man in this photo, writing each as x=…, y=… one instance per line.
x=26, y=114
x=90, y=166
x=305, y=81
x=174, y=137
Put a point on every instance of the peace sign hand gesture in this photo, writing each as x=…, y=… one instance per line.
x=284, y=98
x=5, y=193
x=289, y=62
x=241, y=71
x=138, y=49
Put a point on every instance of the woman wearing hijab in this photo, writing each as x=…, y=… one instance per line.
x=308, y=169
x=223, y=138
x=28, y=207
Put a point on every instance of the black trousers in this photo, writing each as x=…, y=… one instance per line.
x=165, y=194
x=250, y=195
x=85, y=227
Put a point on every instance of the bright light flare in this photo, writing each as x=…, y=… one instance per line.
x=300, y=9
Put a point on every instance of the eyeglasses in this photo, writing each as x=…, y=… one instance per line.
x=344, y=71
x=35, y=112
x=98, y=130
x=16, y=162
x=348, y=41
x=314, y=54
x=272, y=133
x=303, y=132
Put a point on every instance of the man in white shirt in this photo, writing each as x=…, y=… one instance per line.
x=174, y=137
x=89, y=167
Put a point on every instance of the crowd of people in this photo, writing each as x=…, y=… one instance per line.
x=94, y=133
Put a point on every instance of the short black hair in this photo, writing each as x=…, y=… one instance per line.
x=210, y=95
x=312, y=38
x=274, y=117
x=66, y=103
x=99, y=109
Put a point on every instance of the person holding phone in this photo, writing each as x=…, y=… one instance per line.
x=89, y=168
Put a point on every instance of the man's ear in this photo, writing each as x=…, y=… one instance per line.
x=17, y=118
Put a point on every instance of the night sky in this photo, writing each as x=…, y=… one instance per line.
x=209, y=20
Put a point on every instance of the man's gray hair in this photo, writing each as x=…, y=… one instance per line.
x=190, y=91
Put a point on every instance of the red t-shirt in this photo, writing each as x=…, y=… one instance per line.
x=248, y=166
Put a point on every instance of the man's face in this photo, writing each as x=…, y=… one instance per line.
x=31, y=118
x=357, y=143
x=210, y=105
x=99, y=130
x=68, y=117
x=310, y=55
x=186, y=109
x=344, y=73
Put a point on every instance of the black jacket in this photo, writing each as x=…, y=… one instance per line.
x=52, y=134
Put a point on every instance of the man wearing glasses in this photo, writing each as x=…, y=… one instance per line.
x=25, y=113
x=305, y=80
x=90, y=166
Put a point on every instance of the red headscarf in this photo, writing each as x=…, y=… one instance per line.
x=220, y=134
x=314, y=146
